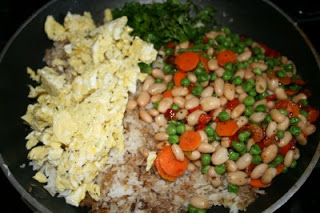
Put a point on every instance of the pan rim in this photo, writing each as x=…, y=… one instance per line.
x=40, y=207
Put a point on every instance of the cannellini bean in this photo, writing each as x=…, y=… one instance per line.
x=216, y=113
x=284, y=125
x=210, y=51
x=157, y=88
x=285, y=140
x=273, y=83
x=179, y=101
x=220, y=156
x=167, y=78
x=220, y=72
x=157, y=73
x=160, y=120
x=213, y=64
x=269, y=153
x=241, y=121
x=225, y=142
x=181, y=114
x=197, y=163
x=238, y=178
x=188, y=127
x=270, y=104
x=213, y=34
x=210, y=103
x=269, y=174
x=194, y=116
x=192, y=77
x=144, y=115
x=143, y=99
x=237, y=111
x=246, y=55
x=191, y=167
x=162, y=144
x=299, y=97
x=308, y=130
x=165, y=104
x=248, y=74
x=203, y=135
x=218, y=86
x=242, y=96
x=153, y=112
x=271, y=129
x=231, y=166
x=303, y=121
x=288, y=158
x=258, y=171
x=147, y=83
x=156, y=98
x=284, y=60
x=296, y=152
x=207, y=92
x=192, y=103
x=161, y=136
x=280, y=93
x=206, y=148
x=178, y=153
x=258, y=117
x=180, y=91
x=261, y=84
x=215, y=144
x=259, y=65
x=239, y=89
x=229, y=90
x=144, y=152
x=223, y=101
x=195, y=155
x=199, y=202
x=189, y=96
x=250, y=143
x=205, y=84
x=131, y=104
x=277, y=116
x=262, y=101
x=240, y=73
x=301, y=139
x=216, y=182
x=244, y=161
x=212, y=172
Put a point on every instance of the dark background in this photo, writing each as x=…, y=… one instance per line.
x=305, y=13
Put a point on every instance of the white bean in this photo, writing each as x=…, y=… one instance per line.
x=162, y=144
x=240, y=73
x=270, y=104
x=157, y=88
x=213, y=64
x=285, y=140
x=165, y=104
x=280, y=93
x=229, y=90
x=231, y=166
x=296, y=152
x=206, y=148
x=241, y=121
x=131, y=104
x=194, y=155
x=179, y=101
x=144, y=115
x=181, y=114
x=199, y=202
x=178, y=153
x=205, y=84
x=191, y=167
x=303, y=121
x=180, y=91
x=220, y=156
x=225, y=142
x=156, y=98
x=192, y=103
x=157, y=73
x=284, y=125
x=250, y=143
x=161, y=136
x=223, y=101
x=194, y=116
x=167, y=78
x=277, y=116
x=301, y=139
x=203, y=135
x=288, y=158
x=192, y=77
x=269, y=174
x=244, y=161
x=143, y=99
x=269, y=153
x=299, y=97
x=212, y=172
x=310, y=129
x=147, y=83
x=238, y=178
x=207, y=92
x=244, y=56
x=258, y=171
x=242, y=96
x=273, y=83
x=261, y=84
x=189, y=96
x=219, y=72
x=271, y=129
x=210, y=51
x=153, y=112
x=218, y=86
x=210, y=103
x=197, y=163
x=160, y=120
x=262, y=101
x=258, y=117
x=239, y=89
x=259, y=65
x=237, y=111
x=248, y=74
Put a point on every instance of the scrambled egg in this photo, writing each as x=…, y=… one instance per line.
x=76, y=122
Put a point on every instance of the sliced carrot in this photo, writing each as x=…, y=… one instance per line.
x=258, y=184
x=280, y=169
x=290, y=92
x=162, y=173
x=168, y=94
x=204, y=61
x=227, y=128
x=226, y=56
x=187, y=61
x=286, y=80
x=178, y=77
x=189, y=141
x=170, y=164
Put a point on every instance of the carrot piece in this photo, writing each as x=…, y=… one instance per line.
x=286, y=80
x=168, y=94
x=258, y=184
x=227, y=128
x=294, y=109
x=226, y=56
x=190, y=140
x=290, y=92
x=170, y=164
x=178, y=77
x=187, y=61
x=162, y=173
x=280, y=169
x=299, y=81
x=313, y=115
x=204, y=61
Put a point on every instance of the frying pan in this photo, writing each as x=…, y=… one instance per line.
x=261, y=20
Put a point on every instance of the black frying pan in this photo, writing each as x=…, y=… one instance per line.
x=259, y=19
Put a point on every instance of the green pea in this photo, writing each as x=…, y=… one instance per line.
x=201, y=211
x=294, y=120
x=295, y=131
x=209, y=131
x=304, y=102
x=248, y=42
x=213, y=77
x=256, y=159
x=283, y=111
x=281, y=74
x=244, y=150
x=185, y=82
x=248, y=101
x=270, y=64
x=280, y=134
x=173, y=139
x=197, y=90
x=181, y=128
x=261, y=56
x=255, y=149
x=285, y=170
x=257, y=71
x=233, y=155
x=242, y=137
x=228, y=66
x=203, y=77
x=251, y=81
x=247, y=133
x=261, y=108
x=175, y=107
x=192, y=209
x=210, y=139
x=304, y=113
x=205, y=159
x=199, y=71
x=168, y=51
x=248, y=111
x=237, y=80
x=256, y=50
x=268, y=119
x=288, y=67
x=233, y=188
x=226, y=30
x=252, y=92
x=227, y=75
x=155, y=105
x=238, y=146
x=171, y=129
x=211, y=41
x=278, y=160
x=247, y=86
x=224, y=116
x=293, y=164
x=272, y=164
x=220, y=169
x=159, y=80
x=167, y=69
x=204, y=169
x=263, y=95
x=170, y=85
